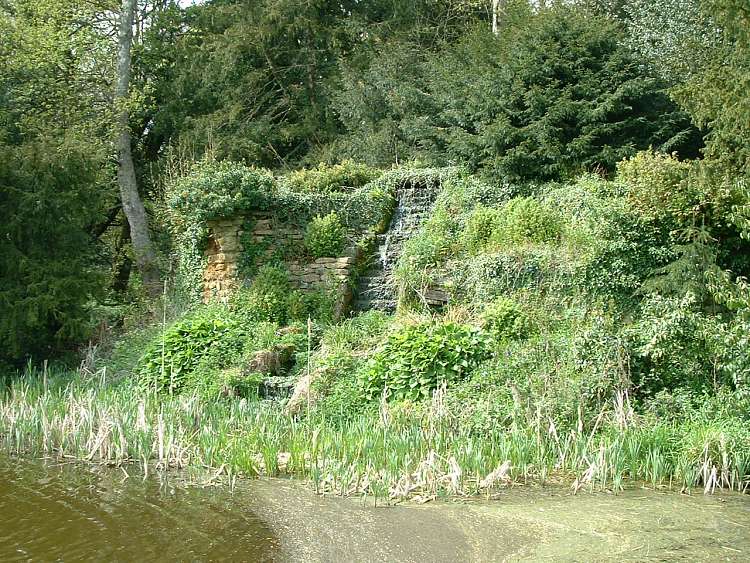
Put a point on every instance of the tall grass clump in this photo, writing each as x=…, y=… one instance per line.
x=396, y=451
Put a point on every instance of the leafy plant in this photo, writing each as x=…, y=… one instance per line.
x=325, y=178
x=174, y=354
x=504, y=319
x=480, y=227
x=325, y=236
x=658, y=188
x=525, y=219
x=676, y=345
x=416, y=359
x=267, y=298
x=215, y=190
x=316, y=304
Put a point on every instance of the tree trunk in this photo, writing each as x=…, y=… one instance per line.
x=495, y=8
x=123, y=263
x=131, y=200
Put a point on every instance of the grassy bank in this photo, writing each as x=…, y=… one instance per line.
x=589, y=335
x=389, y=453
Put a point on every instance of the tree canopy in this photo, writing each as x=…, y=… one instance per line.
x=559, y=89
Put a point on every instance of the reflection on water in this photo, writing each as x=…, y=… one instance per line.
x=68, y=512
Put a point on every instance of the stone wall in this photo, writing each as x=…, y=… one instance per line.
x=222, y=277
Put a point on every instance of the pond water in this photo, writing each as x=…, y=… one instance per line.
x=73, y=512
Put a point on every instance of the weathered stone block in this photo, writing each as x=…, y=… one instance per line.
x=229, y=245
x=270, y=361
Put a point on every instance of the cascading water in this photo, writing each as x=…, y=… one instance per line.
x=377, y=289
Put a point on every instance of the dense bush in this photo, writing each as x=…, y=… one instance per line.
x=526, y=220
x=271, y=298
x=659, y=190
x=267, y=297
x=676, y=345
x=215, y=190
x=174, y=354
x=341, y=362
x=316, y=304
x=611, y=249
x=50, y=195
x=554, y=93
x=325, y=178
x=417, y=359
x=480, y=227
x=690, y=200
x=504, y=319
x=542, y=380
x=325, y=236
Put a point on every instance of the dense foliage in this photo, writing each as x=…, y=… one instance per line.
x=590, y=230
x=325, y=236
x=48, y=262
x=417, y=359
x=325, y=178
x=554, y=93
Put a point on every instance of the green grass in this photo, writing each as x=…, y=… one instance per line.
x=392, y=454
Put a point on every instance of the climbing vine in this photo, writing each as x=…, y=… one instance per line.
x=222, y=190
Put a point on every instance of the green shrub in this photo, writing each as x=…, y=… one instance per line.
x=417, y=359
x=505, y=320
x=342, y=360
x=483, y=402
x=50, y=264
x=524, y=220
x=676, y=345
x=360, y=333
x=217, y=189
x=480, y=227
x=326, y=178
x=688, y=200
x=267, y=298
x=610, y=248
x=235, y=383
x=658, y=188
x=211, y=333
x=325, y=236
x=318, y=304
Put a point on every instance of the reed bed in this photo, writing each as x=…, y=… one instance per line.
x=388, y=455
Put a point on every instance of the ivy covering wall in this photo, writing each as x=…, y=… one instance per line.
x=213, y=191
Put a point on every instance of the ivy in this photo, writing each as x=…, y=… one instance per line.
x=252, y=250
x=220, y=190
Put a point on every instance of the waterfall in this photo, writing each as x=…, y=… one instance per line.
x=376, y=289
